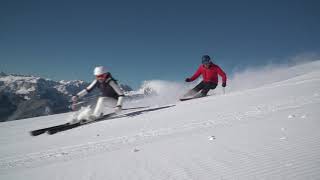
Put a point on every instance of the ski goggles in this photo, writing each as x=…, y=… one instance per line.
x=100, y=76
x=206, y=63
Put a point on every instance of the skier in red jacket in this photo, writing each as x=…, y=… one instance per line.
x=209, y=72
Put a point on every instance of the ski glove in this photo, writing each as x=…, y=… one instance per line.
x=74, y=99
x=224, y=84
x=188, y=80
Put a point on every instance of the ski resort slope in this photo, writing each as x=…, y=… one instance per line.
x=269, y=132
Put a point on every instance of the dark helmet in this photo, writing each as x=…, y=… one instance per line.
x=206, y=59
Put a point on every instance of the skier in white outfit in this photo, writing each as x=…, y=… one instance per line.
x=110, y=92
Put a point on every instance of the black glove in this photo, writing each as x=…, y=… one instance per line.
x=188, y=80
x=224, y=84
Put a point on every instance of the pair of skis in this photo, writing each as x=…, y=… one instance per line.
x=63, y=127
x=196, y=96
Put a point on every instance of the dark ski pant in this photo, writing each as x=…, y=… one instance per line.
x=204, y=87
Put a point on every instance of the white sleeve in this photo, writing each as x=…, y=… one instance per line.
x=88, y=89
x=82, y=93
x=116, y=88
x=92, y=86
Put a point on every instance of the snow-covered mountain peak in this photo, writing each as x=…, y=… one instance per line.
x=22, y=84
x=9, y=79
x=17, y=91
x=72, y=82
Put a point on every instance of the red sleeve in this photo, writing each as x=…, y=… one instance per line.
x=222, y=74
x=196, y=74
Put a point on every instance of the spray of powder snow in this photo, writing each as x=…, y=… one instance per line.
x=259, y=76
x=156, y=92
x=160, y=92
x=83, y=113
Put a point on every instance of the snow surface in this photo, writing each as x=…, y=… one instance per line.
x=270, y=131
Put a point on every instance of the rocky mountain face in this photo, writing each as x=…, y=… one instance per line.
x=29, y=96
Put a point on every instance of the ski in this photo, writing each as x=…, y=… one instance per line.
x=189, y=98
x=81, y=123
x=44, y=130
x=63, y=127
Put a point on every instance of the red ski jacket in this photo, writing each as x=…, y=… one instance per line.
x=210, y=74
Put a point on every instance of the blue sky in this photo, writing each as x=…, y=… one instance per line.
x=145, y=40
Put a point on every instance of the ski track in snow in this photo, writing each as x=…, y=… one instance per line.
x=224, y=120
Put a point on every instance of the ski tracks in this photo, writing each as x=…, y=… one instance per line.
x=144, y=137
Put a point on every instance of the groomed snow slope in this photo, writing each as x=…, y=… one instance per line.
x=270, y=132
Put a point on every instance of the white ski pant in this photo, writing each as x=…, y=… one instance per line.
x=104, y=105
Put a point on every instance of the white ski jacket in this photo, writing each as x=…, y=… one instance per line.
x=108, y=88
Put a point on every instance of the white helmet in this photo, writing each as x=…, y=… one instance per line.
x=99, y=70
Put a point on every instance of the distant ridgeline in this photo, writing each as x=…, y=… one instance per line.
x=24, y=96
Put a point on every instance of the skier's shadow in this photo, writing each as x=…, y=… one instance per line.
x=133, y=114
